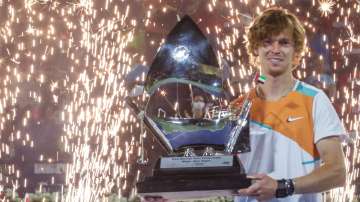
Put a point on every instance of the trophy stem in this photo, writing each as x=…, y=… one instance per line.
x=189, y=152
x=209, y=151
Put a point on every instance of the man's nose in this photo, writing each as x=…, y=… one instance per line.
x=275, y=47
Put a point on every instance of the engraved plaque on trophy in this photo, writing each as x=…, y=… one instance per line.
x=186, y=110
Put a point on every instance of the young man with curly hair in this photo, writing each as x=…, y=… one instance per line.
x=296, y=151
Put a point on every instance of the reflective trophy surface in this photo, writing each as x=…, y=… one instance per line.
x=187, y=111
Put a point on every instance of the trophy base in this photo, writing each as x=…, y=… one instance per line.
x=190, y=195
x=194, y=182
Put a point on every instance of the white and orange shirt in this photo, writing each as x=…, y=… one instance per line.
x=284, y=133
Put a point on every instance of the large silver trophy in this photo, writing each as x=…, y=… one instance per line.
x=187, y=112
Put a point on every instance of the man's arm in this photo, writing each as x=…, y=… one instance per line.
x=329, y=175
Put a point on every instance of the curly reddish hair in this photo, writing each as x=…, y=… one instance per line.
x=272, y=22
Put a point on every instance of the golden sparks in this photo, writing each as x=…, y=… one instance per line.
x=326, y=7
x=75, y=56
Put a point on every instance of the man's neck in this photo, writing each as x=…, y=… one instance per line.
x=276, y=87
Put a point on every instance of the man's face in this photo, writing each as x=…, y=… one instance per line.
x=198, y=105
x=277, y=54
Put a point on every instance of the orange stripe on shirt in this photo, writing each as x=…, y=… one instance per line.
x=275, y=114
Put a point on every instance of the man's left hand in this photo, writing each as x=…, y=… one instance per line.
x=262, y=188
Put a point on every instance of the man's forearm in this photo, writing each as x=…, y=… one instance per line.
x=321, y=179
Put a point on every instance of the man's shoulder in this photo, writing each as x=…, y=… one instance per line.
x=307, y=89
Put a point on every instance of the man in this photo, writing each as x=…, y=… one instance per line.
x=294, y=126
x=198, y=108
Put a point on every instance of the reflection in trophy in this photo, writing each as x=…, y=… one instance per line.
x=187, y=111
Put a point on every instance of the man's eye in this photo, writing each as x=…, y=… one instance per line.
x=267, y=42
x=284, y=42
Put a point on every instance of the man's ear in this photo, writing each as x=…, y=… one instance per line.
x=296, y=59
x=256, y=52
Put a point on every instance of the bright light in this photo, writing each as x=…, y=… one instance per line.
x=180, y=53
x=326, y=7
x=162, y=92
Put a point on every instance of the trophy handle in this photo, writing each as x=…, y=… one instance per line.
x=240, y=125
x=149, y=124
x=140, y=114
x=142, y=160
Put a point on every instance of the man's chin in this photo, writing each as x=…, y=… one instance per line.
x=276, y=73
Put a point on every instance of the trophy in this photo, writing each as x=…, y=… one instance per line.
x=186, y=110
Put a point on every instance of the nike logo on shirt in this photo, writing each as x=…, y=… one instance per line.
x=292, y=118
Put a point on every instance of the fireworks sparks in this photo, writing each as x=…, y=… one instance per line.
x=326, y=7
x=75, y=56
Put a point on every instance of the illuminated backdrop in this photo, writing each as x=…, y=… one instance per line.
x=63, y=67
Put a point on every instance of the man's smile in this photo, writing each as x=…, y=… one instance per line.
x=275, y=60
